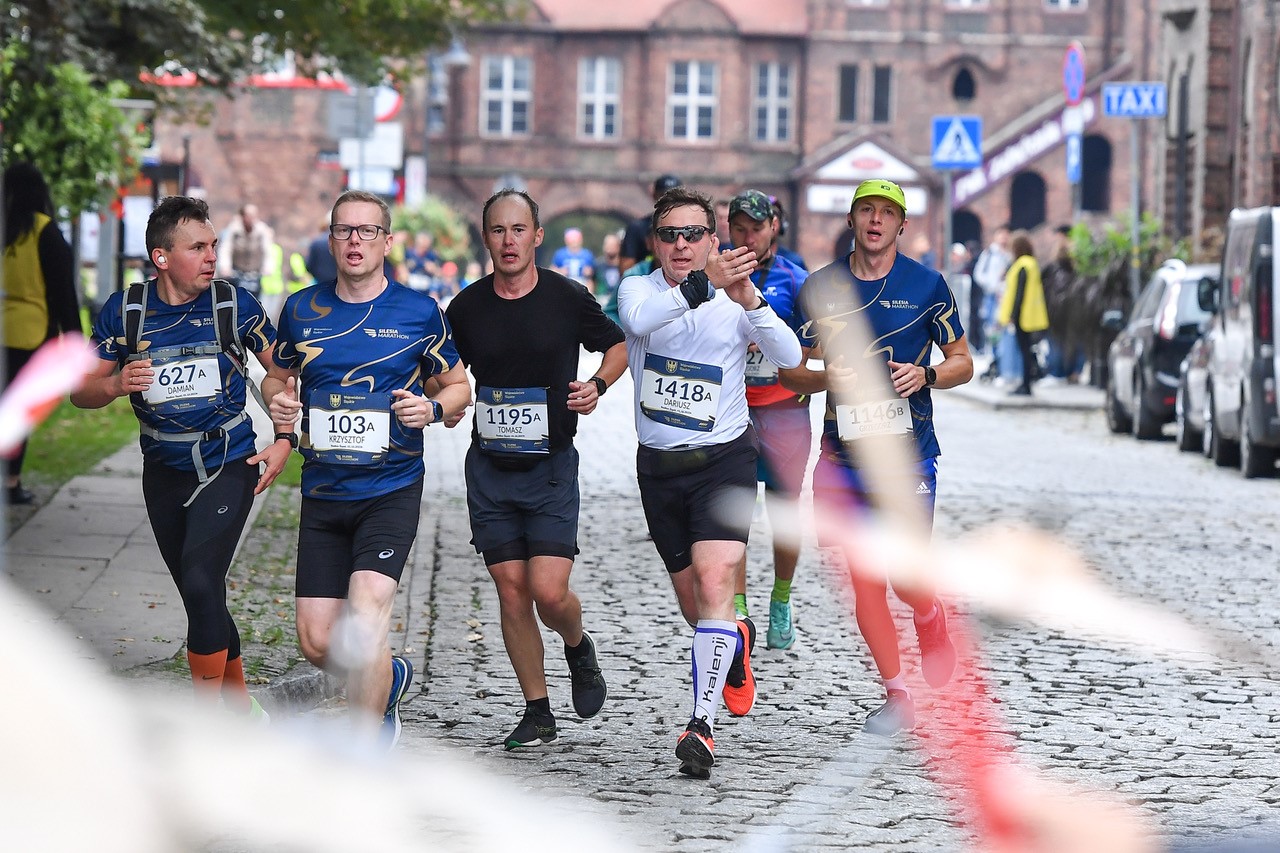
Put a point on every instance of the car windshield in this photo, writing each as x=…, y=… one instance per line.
x=1189, y=310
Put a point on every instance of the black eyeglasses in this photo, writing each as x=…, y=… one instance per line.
x=691, y=233
x=366, y=232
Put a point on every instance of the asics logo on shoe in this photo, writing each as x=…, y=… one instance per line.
x=386, y=555
x=222, y=510
x=922, y=489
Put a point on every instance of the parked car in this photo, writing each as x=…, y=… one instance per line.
x=1193, y=392
x=1242, y=420
x=1144, y=360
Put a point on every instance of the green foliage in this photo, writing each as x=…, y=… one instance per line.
x=72, y=441
x=69, y=129
x=1100, y=255
x=442, y=221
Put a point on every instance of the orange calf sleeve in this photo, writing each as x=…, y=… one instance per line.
x=235, y=693
x=207, y=672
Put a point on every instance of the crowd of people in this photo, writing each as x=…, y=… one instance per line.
x=718, y=340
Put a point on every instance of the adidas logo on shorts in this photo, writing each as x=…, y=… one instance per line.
x=923, y=489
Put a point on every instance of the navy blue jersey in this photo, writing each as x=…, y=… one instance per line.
x=350, y=357
x=780, y=284
x=187, y=396
x=909, y=311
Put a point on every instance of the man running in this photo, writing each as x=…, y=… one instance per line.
x=907, y=309
x=520, y=330
x=687, y=337
x=780, y=416
x=161, y=343
x=352, y=357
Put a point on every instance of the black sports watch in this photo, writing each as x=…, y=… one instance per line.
x=291, y=437
x=437, y=411
x=601, y=387
x=930, y=376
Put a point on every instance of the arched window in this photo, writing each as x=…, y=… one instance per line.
x=1026, y=200
x=1095, y=175
x=963, y=86
x=966, y=228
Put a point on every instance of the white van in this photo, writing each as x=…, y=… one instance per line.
x=1244, y=363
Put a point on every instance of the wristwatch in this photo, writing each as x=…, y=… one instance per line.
x=437, y=411
x=601, y=387
x=291, y=437
x=930, y=376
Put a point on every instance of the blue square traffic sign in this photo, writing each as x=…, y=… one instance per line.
x=957, y=142
x=1134, y=100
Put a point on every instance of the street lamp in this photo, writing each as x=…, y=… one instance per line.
x=439, y=74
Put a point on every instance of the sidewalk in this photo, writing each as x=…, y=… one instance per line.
x=1045, y=394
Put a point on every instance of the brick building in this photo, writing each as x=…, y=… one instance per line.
x=1220, y=145
x=585, y=102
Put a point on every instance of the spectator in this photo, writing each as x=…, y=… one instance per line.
x=421, y=261
x=923, y=251
x=573, y=260
x=320, y=262
x=608, y=273
x=244, y=255
x=1022, y=307
x=1066, y=358
x=39, y=286
x=989, y=272
x=779, y=249
x=637, y=244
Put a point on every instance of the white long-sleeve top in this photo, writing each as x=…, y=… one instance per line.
x=678, y=356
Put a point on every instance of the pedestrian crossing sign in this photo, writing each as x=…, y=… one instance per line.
x=957, y=142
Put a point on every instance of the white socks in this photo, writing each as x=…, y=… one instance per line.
x=714, y=644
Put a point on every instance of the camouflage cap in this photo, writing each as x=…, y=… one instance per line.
x=753, y=203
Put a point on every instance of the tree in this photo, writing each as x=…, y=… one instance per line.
x=442, y=221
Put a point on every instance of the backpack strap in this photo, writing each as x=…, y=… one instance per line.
x=133, y=310
x=226, y=317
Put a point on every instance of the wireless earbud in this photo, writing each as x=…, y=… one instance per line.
x=160, y=259
x=900, y=233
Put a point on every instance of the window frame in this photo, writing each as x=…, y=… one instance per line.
x=507, y=97
x=691, y=101
x=599, y=99
x=774, y=103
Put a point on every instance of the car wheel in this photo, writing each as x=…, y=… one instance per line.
x=1117, y=420
x=1145, y=424
x=1223, y=452
x=1188, y=439
x=1255, y=461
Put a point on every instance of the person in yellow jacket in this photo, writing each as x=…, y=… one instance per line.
x=298, y=275
x=1023, y=305
x=39, y=299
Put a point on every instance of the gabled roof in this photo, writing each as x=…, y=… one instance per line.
x=750, y=17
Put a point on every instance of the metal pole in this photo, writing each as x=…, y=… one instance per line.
x=946, y=225
x=361, y=132
x=1135, y=259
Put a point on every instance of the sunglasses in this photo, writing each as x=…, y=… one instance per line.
x=691, y=233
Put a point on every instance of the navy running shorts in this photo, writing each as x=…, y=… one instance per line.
x=517, y=514
x=786, y=440
x=839, y=488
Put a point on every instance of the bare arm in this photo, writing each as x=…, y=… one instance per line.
x=104, y=384
x=583, y=396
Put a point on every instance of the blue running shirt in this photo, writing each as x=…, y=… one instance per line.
x=909, y=311
x=192, y=324
x=351, y=356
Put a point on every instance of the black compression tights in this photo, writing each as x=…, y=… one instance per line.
x=198, y=542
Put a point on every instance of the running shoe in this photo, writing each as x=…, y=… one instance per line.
x=534, y=730
x=937, y=653
x=740, y=684
x=257, y=714
x=781, y=635
x=589, y=689
x=696, y=750
x=897, y=714
x=401, y=677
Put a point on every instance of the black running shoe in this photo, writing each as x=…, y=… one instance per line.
x=696, y=750
x=534, y=730
x=589, y=689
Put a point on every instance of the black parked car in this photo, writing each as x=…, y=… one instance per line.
x=1144, y=360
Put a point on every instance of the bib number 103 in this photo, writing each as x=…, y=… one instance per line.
x=344, y=424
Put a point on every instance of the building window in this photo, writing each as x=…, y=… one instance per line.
x=848, y=107
x=599, y=90
x=691, y=104
x=1066, y=5
x=868, y=2
x=883, y=93
x=772, y=105
x=506, y=96
x=967, y=4
x=963, y=87
x=1095, y=184
x=437, y=95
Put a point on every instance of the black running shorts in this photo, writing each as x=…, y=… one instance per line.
x=337, y=538
x=701, y=495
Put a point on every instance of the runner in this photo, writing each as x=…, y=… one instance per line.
x=351, y=362
x=520, y=330
x=908, y=309
x=687, y=337
x=780, y=417
x=180, y=361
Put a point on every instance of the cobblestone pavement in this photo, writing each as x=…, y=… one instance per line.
x=1192, y=744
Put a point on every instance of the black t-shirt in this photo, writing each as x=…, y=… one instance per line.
x=633, y=239
x=531, y=342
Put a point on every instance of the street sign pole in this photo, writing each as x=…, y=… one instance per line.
x=1134, y=101
x=1135, y=258
x=947, y=180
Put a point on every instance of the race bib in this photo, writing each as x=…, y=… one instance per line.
x=350, y=428
x=183, y=383
x=885, y=417
x=760, y=370
x=513, y=420
x=679, y=393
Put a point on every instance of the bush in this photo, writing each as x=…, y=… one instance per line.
x=443, y=222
